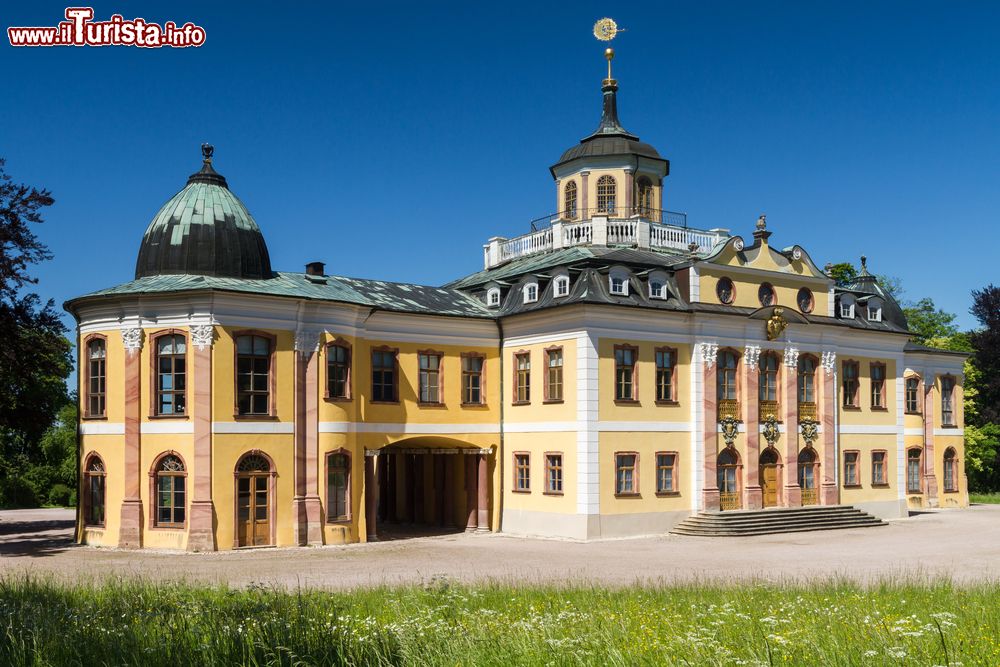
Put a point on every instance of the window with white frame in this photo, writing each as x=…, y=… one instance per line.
x=618, y=282
x=561, y=286
x=493, y=297
x=874, y=310
x=531, y=292
x=657, y=287
x=847, y=307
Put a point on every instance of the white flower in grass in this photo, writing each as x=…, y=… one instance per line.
x=897, y=652
x=870, y=654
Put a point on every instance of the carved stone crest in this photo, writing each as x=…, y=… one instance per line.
x=730, y=427
x=770, y=430
x=751, y=353
x=829, y=361
x=132, y=339
x=810, y=431
x=776, y=324
x=202, y=335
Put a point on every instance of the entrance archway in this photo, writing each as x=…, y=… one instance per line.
x=769, y=477
x=728, y=471
x=255, y=500
x=808, y=467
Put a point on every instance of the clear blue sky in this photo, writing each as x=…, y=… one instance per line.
x=391, y=140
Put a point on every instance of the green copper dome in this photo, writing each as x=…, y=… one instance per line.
x=204, y=230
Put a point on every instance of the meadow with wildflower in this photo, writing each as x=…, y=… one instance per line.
x=132, y=622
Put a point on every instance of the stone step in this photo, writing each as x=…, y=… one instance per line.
x=774, y=530
x=775, y=520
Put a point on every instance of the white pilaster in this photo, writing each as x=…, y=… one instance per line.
x=587, y=437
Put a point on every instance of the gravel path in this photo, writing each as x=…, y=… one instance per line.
x=961, y=544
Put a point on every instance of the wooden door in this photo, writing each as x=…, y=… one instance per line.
x=253, y=510
x=769, y=484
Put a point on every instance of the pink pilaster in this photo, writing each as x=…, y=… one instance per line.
x=829, y=493
x=306, y=504
x=371, y=499
x=471, y=494
x=793, y=494
x=930, y=479
x=201, y=536
x=753, y=495
x=585, y=195
x=483, y=503
x=629, y=191
x=710, y=492
x=129, y=532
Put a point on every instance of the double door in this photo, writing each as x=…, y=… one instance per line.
x=253, y=510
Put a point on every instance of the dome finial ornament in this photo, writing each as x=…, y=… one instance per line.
x=864, y=265
x=206, y=152
x=609, y=53
x=605, y=29
x=762, y=222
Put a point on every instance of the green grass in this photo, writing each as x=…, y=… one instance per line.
x=137, y=623
x=993, y=498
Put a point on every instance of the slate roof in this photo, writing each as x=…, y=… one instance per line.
x=400, y=297
x=914, y=347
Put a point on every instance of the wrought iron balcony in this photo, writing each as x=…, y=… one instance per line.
x=634, y=227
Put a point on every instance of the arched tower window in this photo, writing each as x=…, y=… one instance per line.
x=569, y=201
x=96, y=386
x=93, y=491
x=170, y=478
x=950, y=470
x=171, y=373
x=607, y=192
x=644, y=197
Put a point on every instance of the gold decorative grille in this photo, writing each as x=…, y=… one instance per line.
x=729, y=408
x=808, y=411
x=768, y=408
x=730, y=501
x=810, y=496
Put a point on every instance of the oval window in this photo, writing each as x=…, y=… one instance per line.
x=766, y=294
x=725, y=290
x=805, y=300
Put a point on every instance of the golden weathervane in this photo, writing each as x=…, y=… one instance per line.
x=605, y=30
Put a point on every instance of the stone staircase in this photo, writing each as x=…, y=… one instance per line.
x=775, y=520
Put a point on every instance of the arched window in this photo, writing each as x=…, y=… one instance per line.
x=726, y=385
x=96, y=387
x=644, y=197
x=338, y=486
x=493, y=297
x=727, y=471
x=807, y=475
x=607, y=191
x=338, y=371
x=253, y=375
x=171, y=374
x=569, y=200
x=768, y=384
x=93, y=491
x=531, y=293
x=950, y=470
x=913, y=457
x=170, y=479
x=807, y=379
x=561, y=286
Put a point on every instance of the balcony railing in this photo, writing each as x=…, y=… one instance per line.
x=638, y=228
x=769, y=408
x=729, y=501
x=729, y=408
x=808, y=411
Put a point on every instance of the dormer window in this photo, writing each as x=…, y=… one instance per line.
x=657, y=286
x=847, y=308
x=618, y=282
x=874, y=310
x=493, y=297
x=561, y=286
x=531, y=292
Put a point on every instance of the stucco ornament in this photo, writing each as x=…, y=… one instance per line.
x=770, y=429
x=132, y=339
x=796, y=254
x=202, y=335
x=307, y=340
x=738, y=244
x=776, y=324
x=829, y=361
x=730, y=427
x=751, y=353
x=791, y=357
x=810, y=431
x=709, y=351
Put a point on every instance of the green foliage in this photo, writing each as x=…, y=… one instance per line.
x=982, y=449
x=61, y=495
x=29, y=482
x=136, y=623
x=842, y=273
x=928, y=322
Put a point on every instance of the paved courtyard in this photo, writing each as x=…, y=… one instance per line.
x=961, y=544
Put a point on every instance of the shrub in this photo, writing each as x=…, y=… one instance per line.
x=61, y=496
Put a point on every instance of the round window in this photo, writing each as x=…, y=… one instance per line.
x=766, y=294
x=805, y=300
x=725, y=290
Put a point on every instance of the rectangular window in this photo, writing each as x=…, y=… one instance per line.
x=96, y=377
x=554, y=374
x=430, y=377
x=522, y=378
x=338, y=371
x=171, y=387
x=913, y=471
x=522, y=472
x=472, y=380
x=170, y=500
x=878, y=469
x=913, y=395
x=665, y=363
x=878, y=386
x=851, y=477
x=626, y=482
x=947, y=401
x=384, y=376
x=553, y=473
x=338, y=476
x=666, y=472
x=625, y=373
x=850, y=384
x=253, y=375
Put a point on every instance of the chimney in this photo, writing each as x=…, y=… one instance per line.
x=315, y=269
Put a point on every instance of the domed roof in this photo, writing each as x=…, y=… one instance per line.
x=204, y=230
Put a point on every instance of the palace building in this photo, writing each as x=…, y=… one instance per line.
x=610, y=373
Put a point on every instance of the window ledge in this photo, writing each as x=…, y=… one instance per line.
x=633, y=494
x=423, y=404
x=177, y=527
x=184, y=417
x=668, y=494
x=553, y=401
x=521, y=403
x=876, y=408
x=950, y=491
x=916, y=414
x=384, y=402
x=853, y=486
x=627, y=401
x=255, y=418
x=882, y=485
x=520, y=490
x=668, y=403
x=338, y=522
x=853, y=408
x=552, y=493
x=475, y=405
x=949, y=425
x=338, y=399
x=95, y=419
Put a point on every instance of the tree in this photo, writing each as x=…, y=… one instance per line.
x=842, y=273
x=928, y=322
x=35, y=358
x=986, y=342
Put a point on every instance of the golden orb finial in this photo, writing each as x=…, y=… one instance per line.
x=609, y=53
